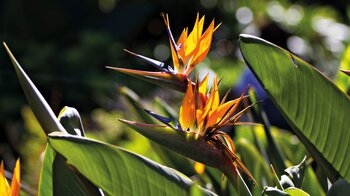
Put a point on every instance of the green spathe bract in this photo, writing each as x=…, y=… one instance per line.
x=316, y=108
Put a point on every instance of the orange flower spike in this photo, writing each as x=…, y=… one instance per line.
x=218, y=114
x=15, y=183
x=194, y=37
x=201, y=101
x=187, y=116
x=5, y=188
x=201, y=50
x=213, y=101
x=4, y=185
x=191, y=48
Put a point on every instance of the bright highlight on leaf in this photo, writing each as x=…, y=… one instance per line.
x=5, y=188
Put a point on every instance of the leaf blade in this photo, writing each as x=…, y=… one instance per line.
x=313, y=105
x=117, y=171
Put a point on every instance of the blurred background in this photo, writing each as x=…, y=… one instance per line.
x=64, y=47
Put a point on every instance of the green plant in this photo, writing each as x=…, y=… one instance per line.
x=75, y=164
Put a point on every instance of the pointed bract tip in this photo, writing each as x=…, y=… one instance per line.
x=7, y=48
x=13, y=59
x=128, y=51
x=347, y=72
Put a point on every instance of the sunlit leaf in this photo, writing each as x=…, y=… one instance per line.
x=316, y=109
x=58, y=178
x=292, y=191
x=117, y=171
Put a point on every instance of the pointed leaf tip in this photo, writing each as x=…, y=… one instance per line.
x=38, y=104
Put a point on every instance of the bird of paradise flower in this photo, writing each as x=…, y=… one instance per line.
x=187, y=52
x=202, y=116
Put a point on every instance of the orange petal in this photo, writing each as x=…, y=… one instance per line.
x=220, y=113
x=175, y=60
x=215, y=95
x=4, y=185
x=202, y=89
x=213, y=101
x=191, y=41
x=204, y=44
x=202, y=48
x=187, y=116
x=15, y=183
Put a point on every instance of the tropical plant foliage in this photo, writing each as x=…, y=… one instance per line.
x=204, y=139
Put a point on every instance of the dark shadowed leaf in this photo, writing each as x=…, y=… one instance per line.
x=340, y=187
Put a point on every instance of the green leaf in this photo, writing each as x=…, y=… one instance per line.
x=166, y=109
x=292, y=191
x=276, y=155
x=133, y=103
x=254, y=161
x=40, y=107
x=117, y=171
x=45, y=183
x=57, y=178
x=316, y=109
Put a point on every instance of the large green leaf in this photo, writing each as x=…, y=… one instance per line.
x=45, y=184
x=316, y=109
x=120, y=172
x=57, y=178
